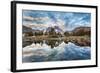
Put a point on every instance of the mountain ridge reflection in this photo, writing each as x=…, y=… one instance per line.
x=51, y=43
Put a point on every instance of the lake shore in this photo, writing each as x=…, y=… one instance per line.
x=78, y=40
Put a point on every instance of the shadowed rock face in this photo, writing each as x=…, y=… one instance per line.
x=79, y=31
x=26, y=29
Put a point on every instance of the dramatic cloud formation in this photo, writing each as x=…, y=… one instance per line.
x=65, y=20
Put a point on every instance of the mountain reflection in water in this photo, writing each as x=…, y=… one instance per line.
x=40, y=51
x=51, y=43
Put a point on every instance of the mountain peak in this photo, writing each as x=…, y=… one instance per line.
x=55, y=28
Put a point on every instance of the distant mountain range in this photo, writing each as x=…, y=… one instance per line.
x=57, y=29
x=82, y=31
x=26, y=29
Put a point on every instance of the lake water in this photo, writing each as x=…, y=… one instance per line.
x=58, y=51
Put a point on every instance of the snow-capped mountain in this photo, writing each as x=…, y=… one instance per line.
x=54, y=29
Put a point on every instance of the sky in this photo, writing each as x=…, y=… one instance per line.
x=65, y=20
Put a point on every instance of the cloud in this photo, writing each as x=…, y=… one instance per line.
x=37, y=20
x=65, y=20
